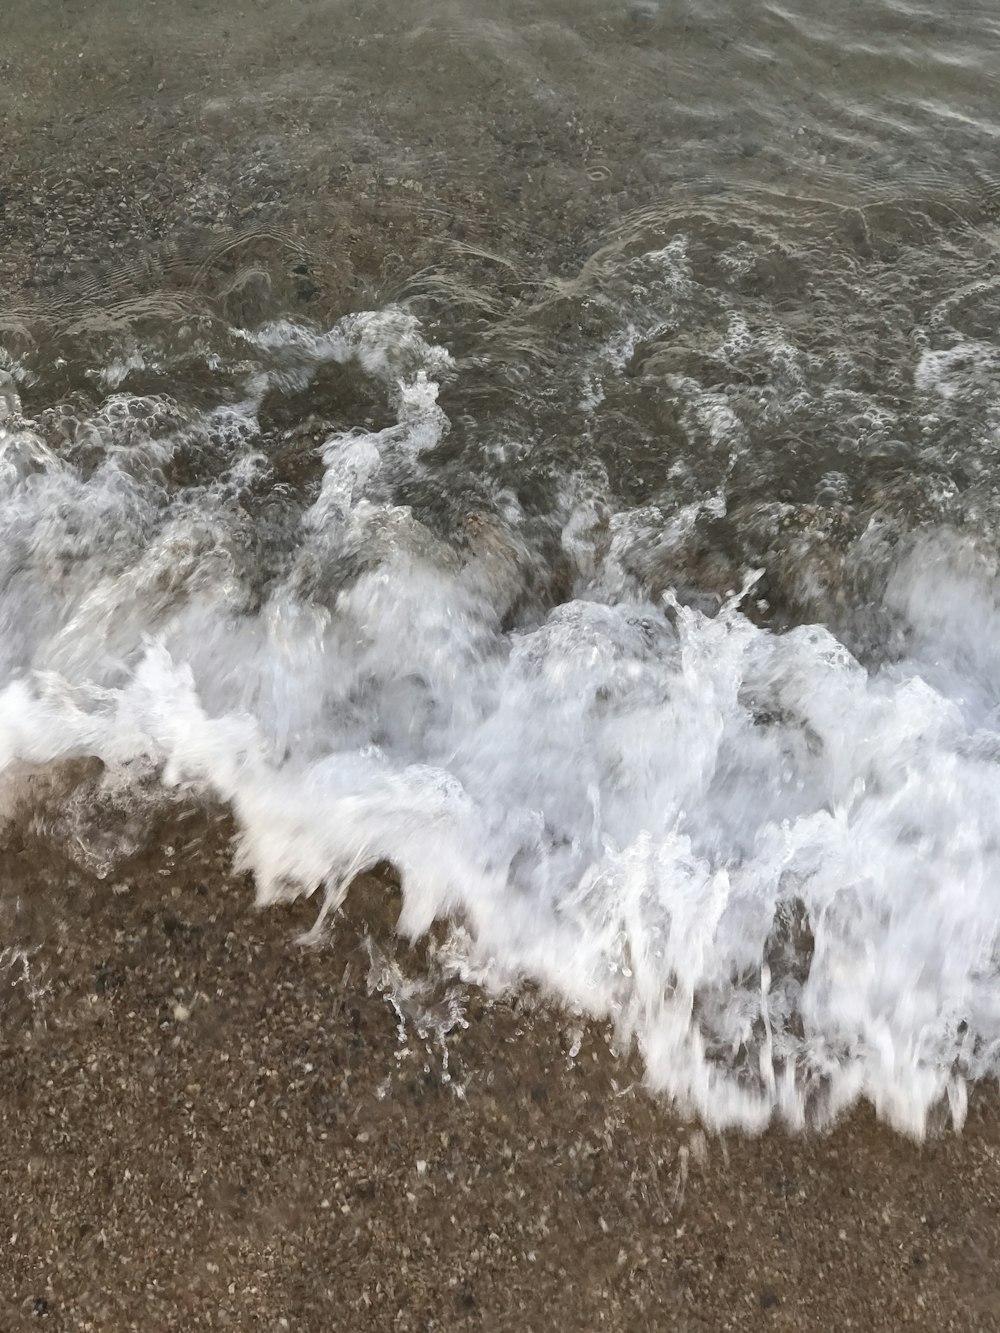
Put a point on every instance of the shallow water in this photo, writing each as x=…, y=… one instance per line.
x=551, y=450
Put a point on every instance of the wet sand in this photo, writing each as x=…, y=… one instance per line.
x=204, y=1124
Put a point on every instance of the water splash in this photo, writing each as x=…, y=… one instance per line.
x=770, y=865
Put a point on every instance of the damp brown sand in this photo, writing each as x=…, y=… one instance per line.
x=204, y=1124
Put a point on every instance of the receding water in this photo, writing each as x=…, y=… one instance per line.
x=552, y=449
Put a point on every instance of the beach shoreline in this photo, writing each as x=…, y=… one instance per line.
x=206, y=1124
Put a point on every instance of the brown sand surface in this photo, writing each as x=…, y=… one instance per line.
x=204, y=1124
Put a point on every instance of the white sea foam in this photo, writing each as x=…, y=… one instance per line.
x=774, y=869
x=957, y=369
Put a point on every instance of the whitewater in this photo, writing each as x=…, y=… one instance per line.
x=767, y=853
